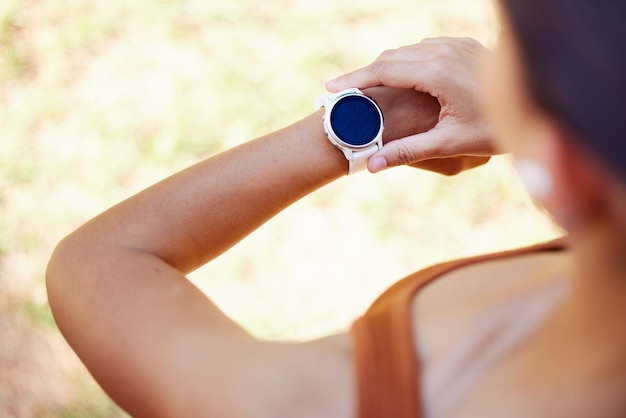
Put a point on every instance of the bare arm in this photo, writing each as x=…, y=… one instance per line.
x=154, y=342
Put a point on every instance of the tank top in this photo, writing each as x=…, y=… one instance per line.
x=385, y=356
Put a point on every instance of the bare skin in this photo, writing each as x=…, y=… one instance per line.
x=154, y=342
x=570, y=363
x=159, y=347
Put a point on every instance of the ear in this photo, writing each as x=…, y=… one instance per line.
x=578, y=187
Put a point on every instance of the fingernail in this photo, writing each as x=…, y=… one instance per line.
x=377, y=164
x=330, y=83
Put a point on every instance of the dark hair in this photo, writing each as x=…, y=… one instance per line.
x=574, y=53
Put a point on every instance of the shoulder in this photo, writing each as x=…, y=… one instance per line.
x=475, y=313
x=475, y=286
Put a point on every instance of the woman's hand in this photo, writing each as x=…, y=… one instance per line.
x=447, y=70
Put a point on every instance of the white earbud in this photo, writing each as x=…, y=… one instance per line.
x=536, y=177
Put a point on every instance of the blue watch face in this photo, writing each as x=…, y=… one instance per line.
x=355, y=120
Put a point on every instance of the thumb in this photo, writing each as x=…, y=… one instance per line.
x=412, y=149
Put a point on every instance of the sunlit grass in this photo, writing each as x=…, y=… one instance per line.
x=100, y=99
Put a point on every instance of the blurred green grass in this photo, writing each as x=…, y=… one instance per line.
x=99, y=99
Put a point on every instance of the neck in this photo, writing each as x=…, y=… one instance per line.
x=597, y=298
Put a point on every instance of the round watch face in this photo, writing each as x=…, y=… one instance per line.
x=355, y=120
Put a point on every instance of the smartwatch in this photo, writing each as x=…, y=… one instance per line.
x=353, y=123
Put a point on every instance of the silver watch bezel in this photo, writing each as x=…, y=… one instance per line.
x=329, y=105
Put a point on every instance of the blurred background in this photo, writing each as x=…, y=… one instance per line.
x=99, y=99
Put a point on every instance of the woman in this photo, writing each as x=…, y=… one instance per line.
x=534, y=332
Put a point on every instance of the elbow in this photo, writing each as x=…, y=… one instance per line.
x=61, y=277
x=55, y=275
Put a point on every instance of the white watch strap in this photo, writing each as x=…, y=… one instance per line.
x=358, y=162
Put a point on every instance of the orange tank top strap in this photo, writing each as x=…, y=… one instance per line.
x=386, y=362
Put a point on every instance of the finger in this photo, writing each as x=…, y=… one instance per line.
x=397, y=67
x=433, y=50
x=399, y=74
x=439, y=142
x=405, y=151
x=381, y=70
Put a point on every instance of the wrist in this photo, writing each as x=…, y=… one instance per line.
x=317, y=155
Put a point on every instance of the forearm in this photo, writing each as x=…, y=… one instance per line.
x=198, y=213
x=195, y=215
